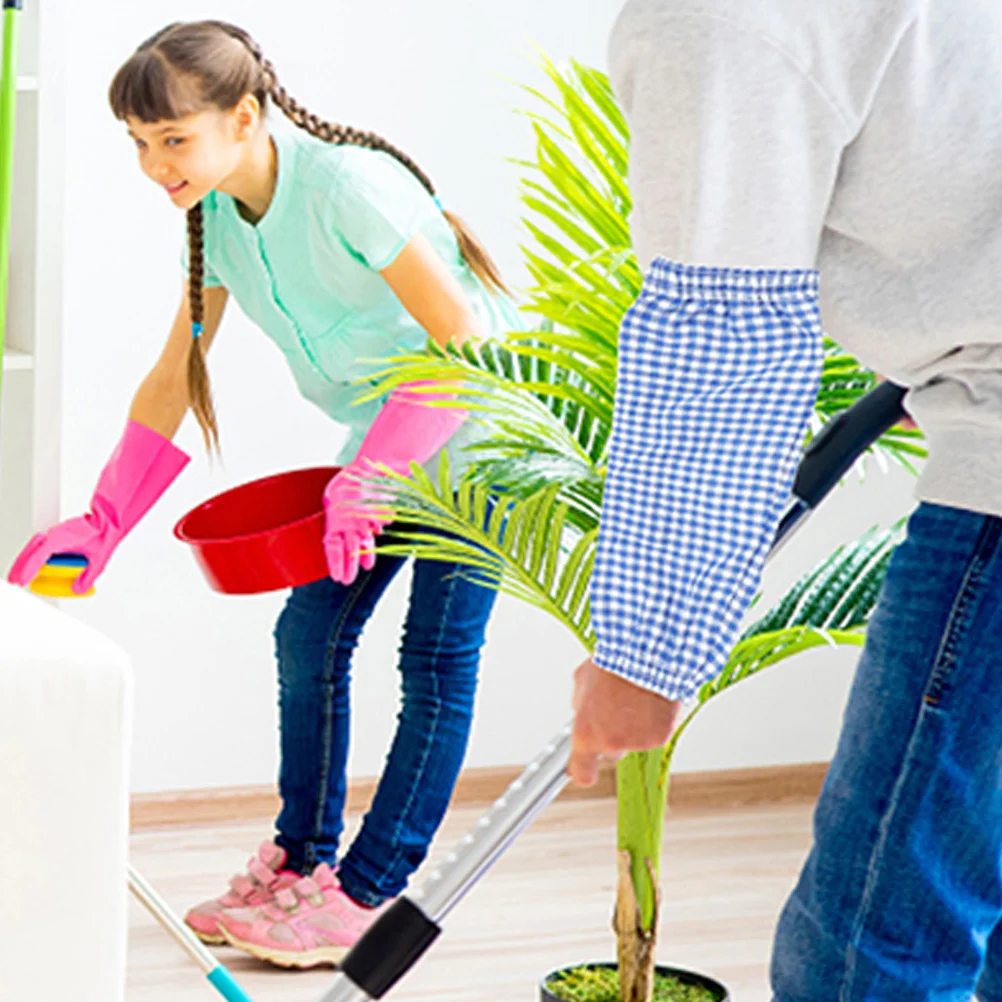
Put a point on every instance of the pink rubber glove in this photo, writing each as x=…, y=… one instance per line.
x=406, y=430
x=142, y=467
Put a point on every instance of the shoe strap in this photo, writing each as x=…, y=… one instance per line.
x=263, y=874
x=305, y=889
x=243, y=886
x=310, y=891
x=323, y=876
x=258, y=875
x=287, y=899
x=271, y=855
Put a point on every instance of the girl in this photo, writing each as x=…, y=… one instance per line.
x=334, y=243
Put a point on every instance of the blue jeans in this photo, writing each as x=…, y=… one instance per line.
x=900, y=898
x=316, y=635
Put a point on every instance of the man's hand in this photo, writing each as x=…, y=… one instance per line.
x=613, y=716
x=907, y=423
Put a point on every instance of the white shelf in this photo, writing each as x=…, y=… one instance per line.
x=14, y=360
x=31, y=368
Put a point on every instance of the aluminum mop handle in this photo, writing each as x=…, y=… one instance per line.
x=218, y=976
x=399, y=937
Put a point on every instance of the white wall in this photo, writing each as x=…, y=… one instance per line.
x=434, y=77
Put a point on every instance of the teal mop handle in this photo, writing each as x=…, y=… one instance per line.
x=8, y=110
x=216, y=974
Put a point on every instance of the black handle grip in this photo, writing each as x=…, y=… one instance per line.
x=391, y=946
x=844, y=439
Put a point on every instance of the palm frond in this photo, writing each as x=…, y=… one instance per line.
x=524, y=412
x=754, y=655
x=828, y=606
x=838, y=592
x=528, y=403
x=527, y=547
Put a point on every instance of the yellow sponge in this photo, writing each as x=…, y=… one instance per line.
x=56, y=580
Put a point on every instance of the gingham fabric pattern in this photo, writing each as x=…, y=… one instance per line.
x=718, y=373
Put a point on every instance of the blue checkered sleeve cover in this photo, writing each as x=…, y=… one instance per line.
x=718, y=373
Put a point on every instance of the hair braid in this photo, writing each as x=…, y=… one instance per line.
x=198, y=373
x=196, y=263
x=332, y=133
x=470, y=248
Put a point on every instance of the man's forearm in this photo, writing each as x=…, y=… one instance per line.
x=718, y=373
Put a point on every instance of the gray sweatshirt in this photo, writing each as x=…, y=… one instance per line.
x=859, y=137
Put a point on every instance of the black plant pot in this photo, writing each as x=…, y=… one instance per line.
x=686, y=977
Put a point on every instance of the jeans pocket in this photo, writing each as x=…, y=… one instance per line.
x=963, y=612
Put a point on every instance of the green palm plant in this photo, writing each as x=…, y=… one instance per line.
x=525, y=517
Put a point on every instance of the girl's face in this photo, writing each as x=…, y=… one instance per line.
x=189, y=157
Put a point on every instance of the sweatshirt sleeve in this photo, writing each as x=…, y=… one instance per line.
x=734, y=147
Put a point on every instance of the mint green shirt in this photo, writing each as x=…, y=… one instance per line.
x=308, y=272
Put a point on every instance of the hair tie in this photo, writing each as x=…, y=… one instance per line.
x=438, y=202
x=196, y=330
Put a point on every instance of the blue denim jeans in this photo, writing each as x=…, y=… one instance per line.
x=900, y=898
x=316, y=635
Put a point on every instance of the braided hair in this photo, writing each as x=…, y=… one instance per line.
x=189, y=66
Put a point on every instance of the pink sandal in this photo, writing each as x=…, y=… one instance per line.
x=263, y=880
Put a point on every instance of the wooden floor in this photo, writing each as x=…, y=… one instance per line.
x=546, y=903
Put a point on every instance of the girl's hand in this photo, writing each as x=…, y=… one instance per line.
x=143, y=465
x=351, y=529
x=90, y=536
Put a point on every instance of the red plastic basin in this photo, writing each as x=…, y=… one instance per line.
x=261, y=536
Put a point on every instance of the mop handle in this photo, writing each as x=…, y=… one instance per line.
x=834, y=450
x=395, y=941
x=398, y=938
x=8, y=110
x=838, y=445
x=540, y=783
x=219, y=977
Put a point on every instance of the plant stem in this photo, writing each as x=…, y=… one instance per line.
x=641, y=799
x=642, y=795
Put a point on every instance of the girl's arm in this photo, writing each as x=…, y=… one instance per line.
x=162, y=400
x=431, y=294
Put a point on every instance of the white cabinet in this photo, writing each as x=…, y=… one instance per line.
x=66, y=709
x=32, y=367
